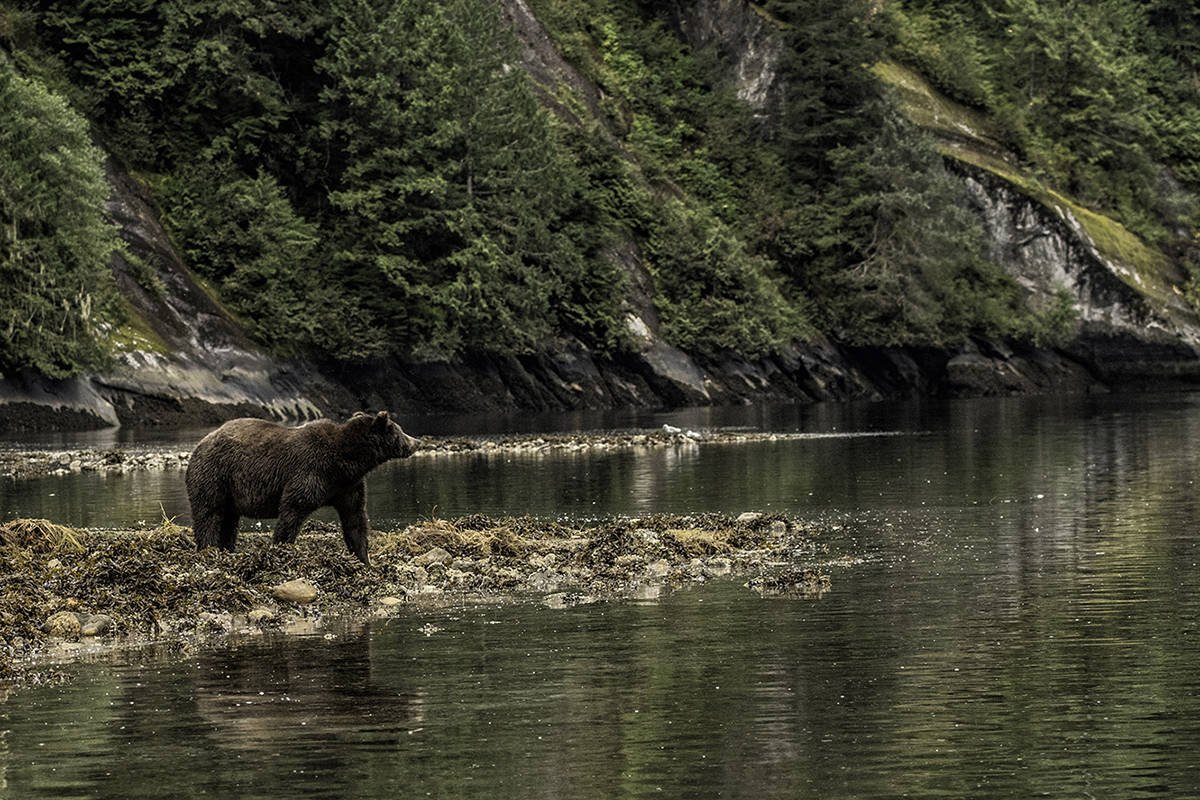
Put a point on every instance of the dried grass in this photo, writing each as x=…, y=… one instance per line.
x=39, y=536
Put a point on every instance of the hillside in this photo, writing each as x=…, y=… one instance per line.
x=456, y=206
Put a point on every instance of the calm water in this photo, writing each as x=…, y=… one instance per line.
x=1025, y=625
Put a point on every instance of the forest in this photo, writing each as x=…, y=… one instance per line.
x=363, y=179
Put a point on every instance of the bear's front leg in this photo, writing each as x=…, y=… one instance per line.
x=294, y=507
x=352, y=510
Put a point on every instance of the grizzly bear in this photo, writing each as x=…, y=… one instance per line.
x=255, y=468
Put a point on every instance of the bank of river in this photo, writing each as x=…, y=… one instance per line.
x=25, y=462
x=66, y=592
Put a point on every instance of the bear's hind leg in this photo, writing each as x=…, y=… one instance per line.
x=287, y=528
x=294, y=507
x=206, y=527
x=229, y=530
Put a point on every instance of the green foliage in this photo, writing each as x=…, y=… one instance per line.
x=456, y=201
x=1100, y=98
x=57, y=296
x=902, y=258
x=365, y=178
x=713, y=294
x=244, y=235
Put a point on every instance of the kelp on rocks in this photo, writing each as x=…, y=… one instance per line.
x=151, y=584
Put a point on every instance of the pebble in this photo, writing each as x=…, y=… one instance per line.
x=97, y=625
x=435, y=555
x=64, y=624
x=295, y=591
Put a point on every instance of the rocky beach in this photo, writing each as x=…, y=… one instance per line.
x=69, y=593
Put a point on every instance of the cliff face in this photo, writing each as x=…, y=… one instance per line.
x=190, y=361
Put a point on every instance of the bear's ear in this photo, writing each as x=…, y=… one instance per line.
x=381, y=420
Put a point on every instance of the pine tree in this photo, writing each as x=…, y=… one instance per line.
x=452, y=194
x=57, y=296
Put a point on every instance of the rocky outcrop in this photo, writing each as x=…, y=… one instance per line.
x=1127, y=332
x=744, y=38
x=189, y=361
x=197, y=360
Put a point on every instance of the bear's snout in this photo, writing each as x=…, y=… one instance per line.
x=410, y=443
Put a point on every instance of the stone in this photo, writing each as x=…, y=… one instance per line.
x=295, y=591
x=658, y=569
x=64, y=624
x=719, y=565
x=435, y=555
x=747, y=517
x=390, y=601
x=542, y=581
x=97, y=625
x=261, y=616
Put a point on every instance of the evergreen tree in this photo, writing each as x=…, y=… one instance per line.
x=453, y=207
x=57, y=296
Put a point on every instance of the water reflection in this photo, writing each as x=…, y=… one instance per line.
x=1027, y=623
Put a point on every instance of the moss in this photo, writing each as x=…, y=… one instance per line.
x=136, y=334
x=933, y=111
x=969, y=136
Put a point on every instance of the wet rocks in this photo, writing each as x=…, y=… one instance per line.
x=658, y=569
x=297, y=590
x=153, y=586
x=96, y=625
x=435, y=555
x=806, y=584
x=64, y=625
x=28, y=463
x=262, y=617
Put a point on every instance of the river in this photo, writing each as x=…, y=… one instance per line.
x=1023, y=623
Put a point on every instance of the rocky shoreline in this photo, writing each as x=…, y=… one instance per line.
x=67, y=593
x=28, y=463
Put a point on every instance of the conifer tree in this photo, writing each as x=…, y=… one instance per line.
x=57, y=296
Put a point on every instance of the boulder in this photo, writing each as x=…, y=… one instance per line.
x=295, y=591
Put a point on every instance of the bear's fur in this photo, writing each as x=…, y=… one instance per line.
x=255, y=468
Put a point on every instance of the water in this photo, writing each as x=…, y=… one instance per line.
x=1025, y=625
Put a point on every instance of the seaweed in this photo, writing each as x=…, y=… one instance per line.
x=152, y=584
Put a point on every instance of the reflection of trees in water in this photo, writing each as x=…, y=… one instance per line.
x=252, y=715
x=4, y=754
x=97, y=499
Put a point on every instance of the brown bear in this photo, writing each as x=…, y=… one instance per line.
x=255, y=468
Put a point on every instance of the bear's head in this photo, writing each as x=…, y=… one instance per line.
x=384, y=437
